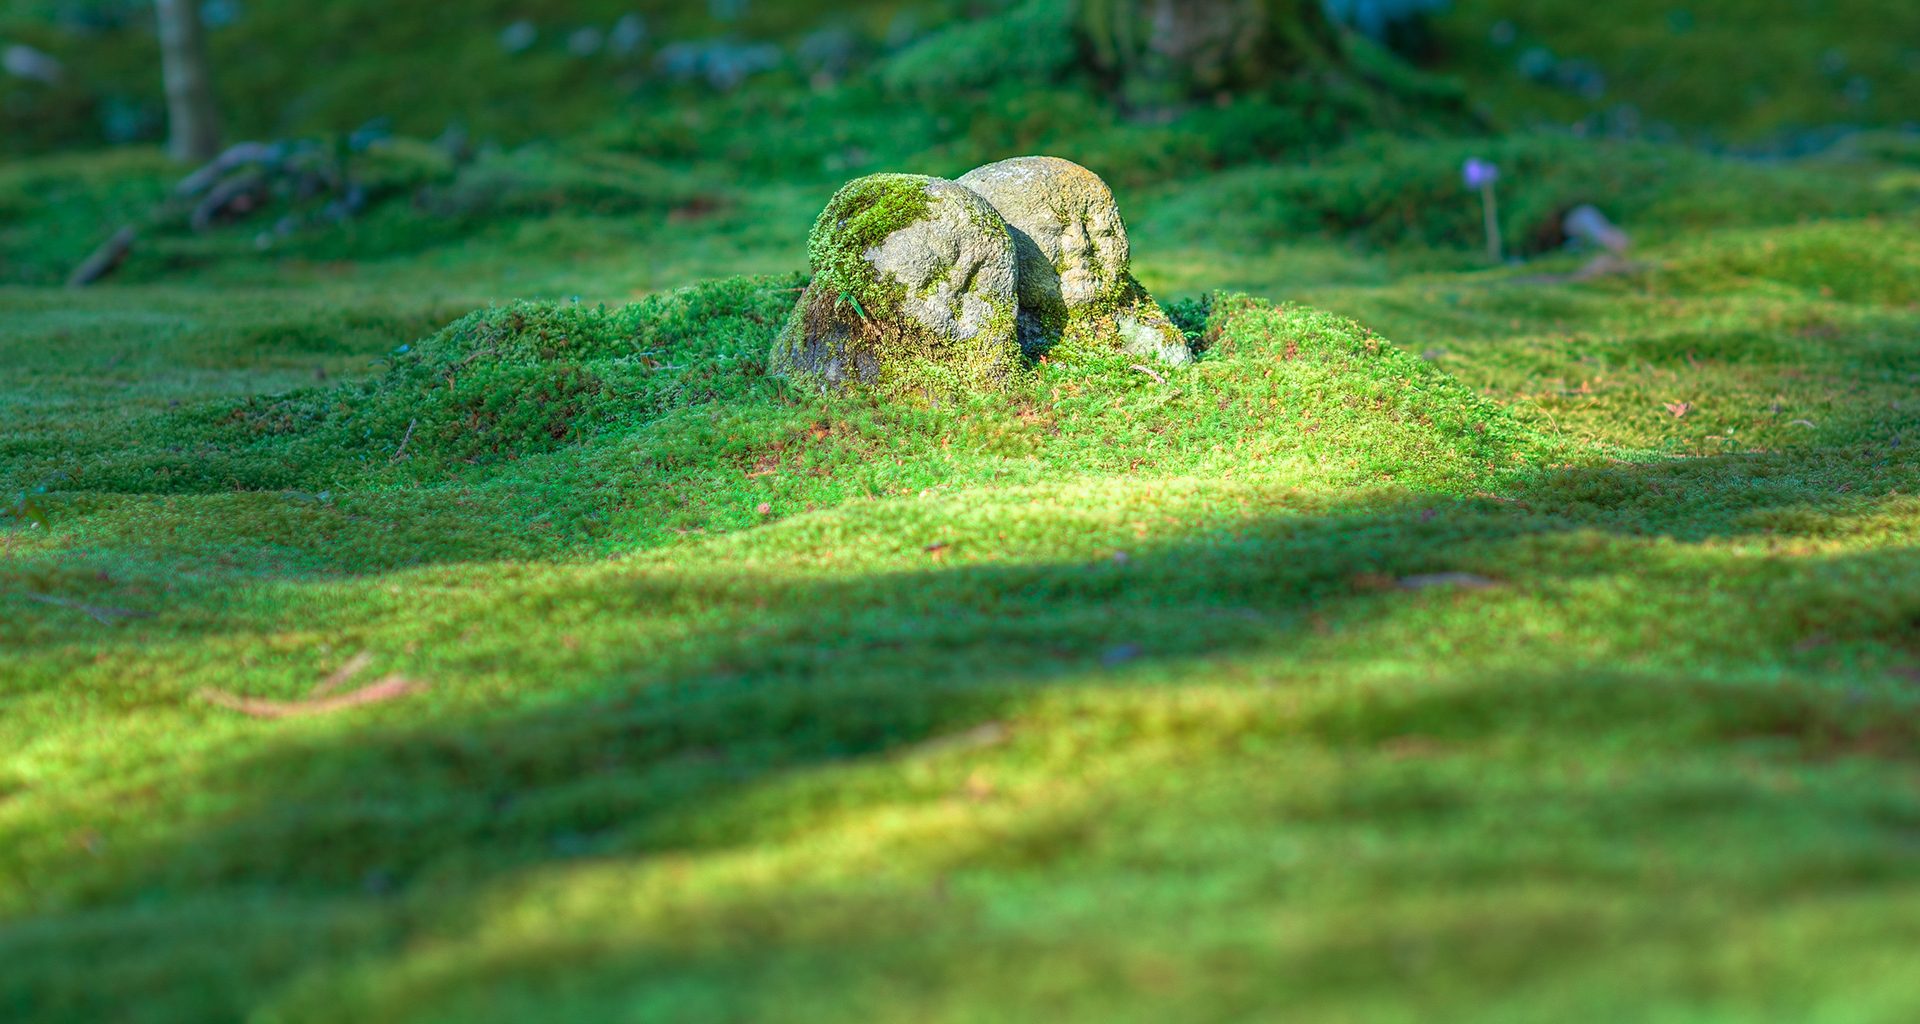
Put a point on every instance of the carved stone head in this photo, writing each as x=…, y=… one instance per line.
x=1066, y=227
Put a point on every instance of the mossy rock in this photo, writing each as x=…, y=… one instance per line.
x=914, y=292
x=1076, y=280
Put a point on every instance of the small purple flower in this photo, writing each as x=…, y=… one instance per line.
x=1478, y=173
x=1479, y=176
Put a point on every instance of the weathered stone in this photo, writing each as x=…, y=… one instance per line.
x=1066, y=226
x=1076, y=282
x=913, y=292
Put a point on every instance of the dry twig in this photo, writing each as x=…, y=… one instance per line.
x=99, y=613
x=343, y=675
x=402, y=450
x=106, y=259
x=390, y=688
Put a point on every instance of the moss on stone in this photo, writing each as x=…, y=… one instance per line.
x=1076, y=291
x=855, y=325
x=827, y=345
x=859, y=217
x=1108, y=324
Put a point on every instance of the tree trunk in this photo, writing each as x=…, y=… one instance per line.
x=193, y=121
x=1177, y=49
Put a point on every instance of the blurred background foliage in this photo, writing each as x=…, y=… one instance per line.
x=1755, y=73
x=397, y=128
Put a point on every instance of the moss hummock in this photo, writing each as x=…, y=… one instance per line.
x=1462, y=610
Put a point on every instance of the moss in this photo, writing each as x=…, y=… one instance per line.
x=1095, y=655
x=1097, y=329
x=858, y=218
x=832, y=336
x=496, y=386
x=1771, y=72
x=1032, y=44
x=1395, y=192
x=850, y=328
x=545, y=180
x=1131, y=622
x=826, y=344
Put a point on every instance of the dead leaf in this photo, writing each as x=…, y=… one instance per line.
x=992, y=734
x=1679, y=409
x=1463, y=580
x=390, y=688
x=1371, y=582
x=1412, y=746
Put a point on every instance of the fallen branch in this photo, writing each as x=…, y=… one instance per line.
x=1463, y=580
x=390, y=688
x=103, y=615
x=991, y=734
x=402, y=450
x=1149, y=371
x=235, y=197
x=237, y=155
x=104, y=260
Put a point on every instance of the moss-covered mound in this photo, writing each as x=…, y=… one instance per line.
x=528, y=377
x=495, y=386
x=913, y=293
x=672, y=390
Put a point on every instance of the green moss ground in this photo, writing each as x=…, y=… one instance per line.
x=1405, y=659
x=1108, y=699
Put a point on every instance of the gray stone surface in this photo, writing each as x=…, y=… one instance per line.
x=1146, y=331
x=1072, y=242
x=956, y=263
x=1076, y=280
